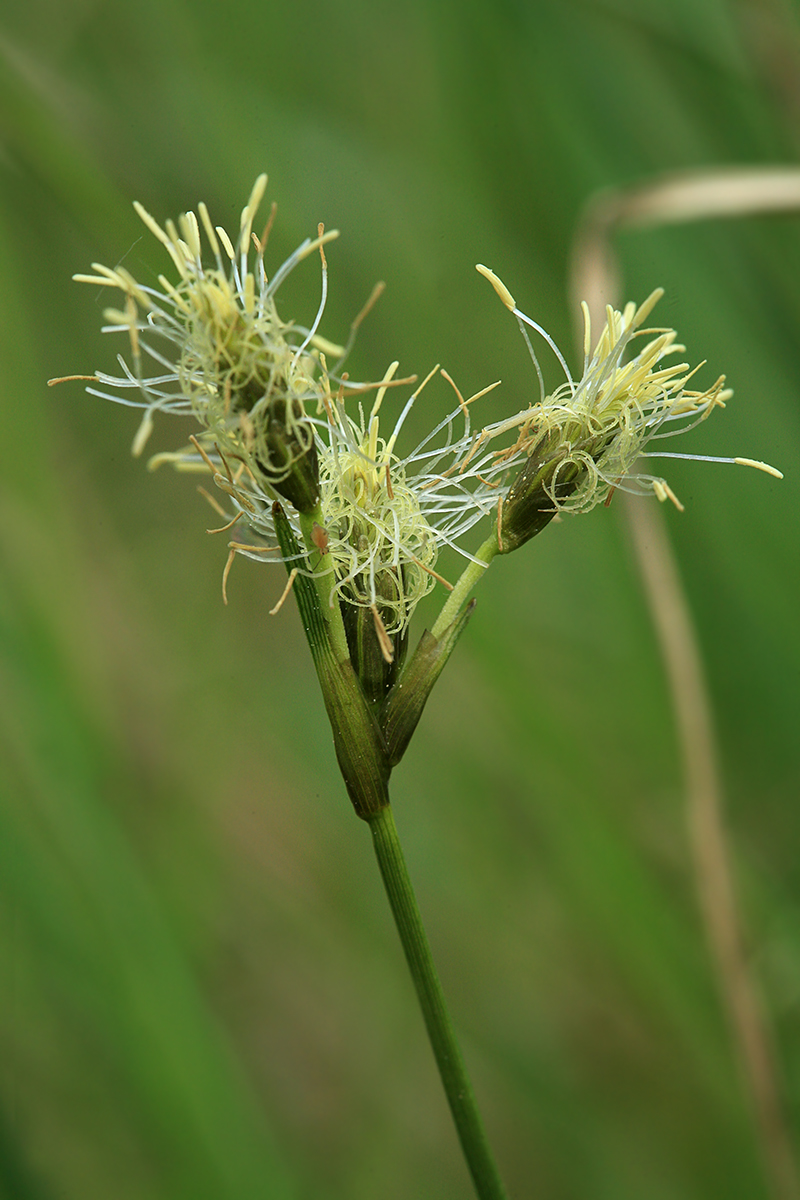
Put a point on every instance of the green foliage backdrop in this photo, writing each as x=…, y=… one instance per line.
x=202, y=997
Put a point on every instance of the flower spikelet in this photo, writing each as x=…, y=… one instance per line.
x=583, y=440
x=220, y=349
x=383, y=547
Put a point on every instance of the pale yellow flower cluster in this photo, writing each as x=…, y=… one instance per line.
x=274, y=423
x=273, y=417
x=591, y=433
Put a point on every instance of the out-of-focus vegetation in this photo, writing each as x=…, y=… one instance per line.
x=202, y=996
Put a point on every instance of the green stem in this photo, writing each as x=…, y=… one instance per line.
x=324, y=580
x=442, y=1035
x=470, y=576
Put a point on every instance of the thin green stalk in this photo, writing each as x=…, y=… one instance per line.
x=324, y=580
x=457, y=1086
x=469, y=578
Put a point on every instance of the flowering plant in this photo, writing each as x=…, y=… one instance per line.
x=308, y=479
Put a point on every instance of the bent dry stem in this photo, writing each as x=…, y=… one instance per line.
x=449, y=1060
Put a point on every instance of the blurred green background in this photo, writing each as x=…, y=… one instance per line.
x=202, y=995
